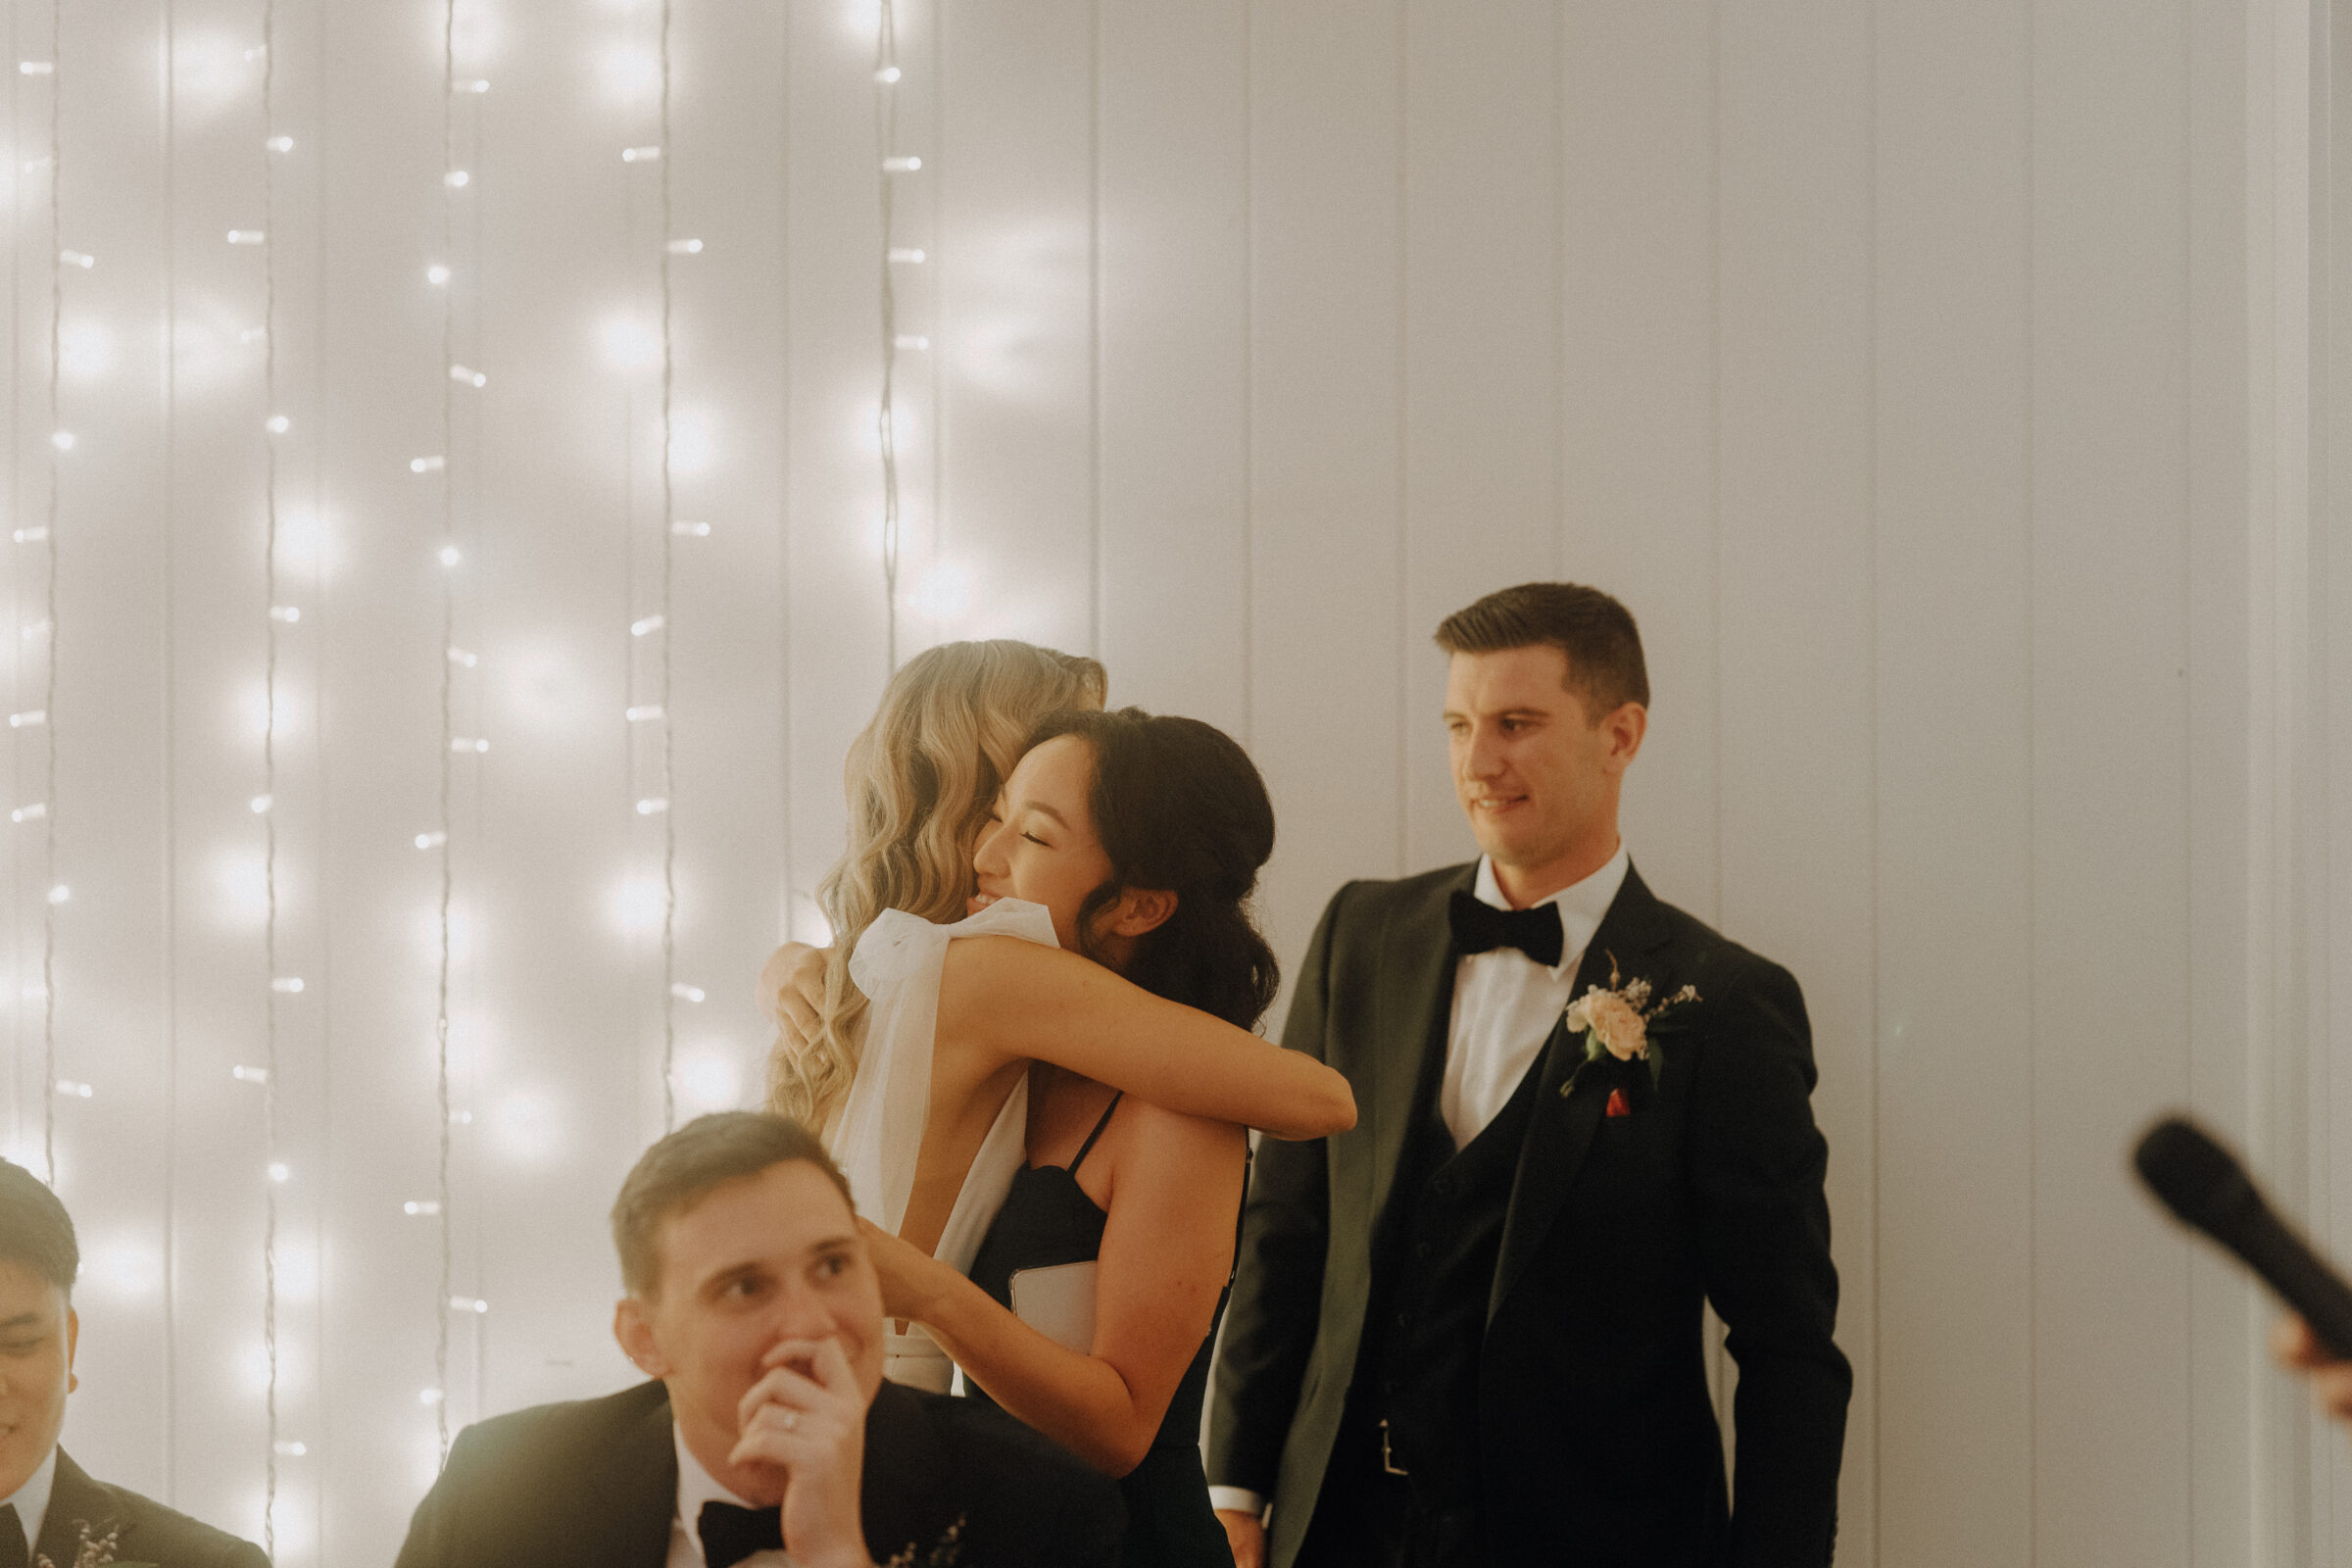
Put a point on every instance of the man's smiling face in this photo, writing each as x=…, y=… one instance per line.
x=37, y=1334
x=1535, y=775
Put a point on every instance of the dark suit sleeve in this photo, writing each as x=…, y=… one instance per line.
x=1278, y=1278
x=430, y=1528
x=1756, y=1165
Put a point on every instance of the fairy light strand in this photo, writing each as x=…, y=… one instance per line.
x=448, y=749
x=886, y=137
x=270, y=1174
x=57, y=307
x=669, y=830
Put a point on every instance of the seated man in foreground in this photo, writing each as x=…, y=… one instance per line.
x=751, y=1300
x=51, y=1513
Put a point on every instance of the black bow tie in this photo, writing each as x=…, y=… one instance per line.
x=731, y=1534
x=1479, y=927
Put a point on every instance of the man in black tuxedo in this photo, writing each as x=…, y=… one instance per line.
x=1468, y=1331
x=770, y=1431
x=50, y=1509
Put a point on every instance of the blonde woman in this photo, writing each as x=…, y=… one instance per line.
x=917, y=1069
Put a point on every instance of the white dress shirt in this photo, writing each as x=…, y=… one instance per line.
x=1504, y=1003
x=1504, y=1006
x=31, y=1502
x=696, y=1487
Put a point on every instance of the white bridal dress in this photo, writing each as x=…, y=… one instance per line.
x=879, y=1133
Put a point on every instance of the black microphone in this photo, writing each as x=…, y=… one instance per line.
x=2203, y=1183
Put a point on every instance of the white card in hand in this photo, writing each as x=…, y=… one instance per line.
x=1059, y=1302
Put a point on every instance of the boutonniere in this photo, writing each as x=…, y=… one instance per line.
x=1618, y=1021
x=95, y=1551
x=947, y=1554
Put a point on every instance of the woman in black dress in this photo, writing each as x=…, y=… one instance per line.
x=1144, y=836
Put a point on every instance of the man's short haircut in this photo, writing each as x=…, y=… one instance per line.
x=1606, y=670
x=37, y=1233
x=688, y=1166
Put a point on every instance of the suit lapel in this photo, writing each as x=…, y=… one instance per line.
x=1417, y=963
x=76, y=1501
x=1566, y=1114
x=634, y=1497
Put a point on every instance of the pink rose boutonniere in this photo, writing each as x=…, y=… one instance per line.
x=1617, y=1022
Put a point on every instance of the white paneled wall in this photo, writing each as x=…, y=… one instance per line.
x=1933, y=382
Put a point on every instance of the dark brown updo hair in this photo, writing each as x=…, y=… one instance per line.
x=1179, y=808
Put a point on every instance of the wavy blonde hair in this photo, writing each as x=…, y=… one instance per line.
x=921, y=778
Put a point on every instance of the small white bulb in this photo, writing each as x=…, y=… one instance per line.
x=450, y=554
x=436, y=274
x=428, y=1395
x=460, y=1118
x=247, y=236
x=60, y=894
x=286, y=614
x=81, y=259
x=279, y=1171
x=687, y=993
x=63, y=440
x=685, y=247
x=249, y=1075
x=73, y=1090
x=468, y=1303
x=691, y=530
x=911, y=254
x=431, y=841
x=289, y=985
x=652, y=808
x=900, y=165
x=29, y=536
x=650, y=625
x=910, y=340
x=888, y=76
x=260, y=803
x=279, y=144
x=475, y=85
x=639, y=155
x=279, y=424
x=36, y=68
x=468, y=745
x=645, y=714
x=31, y=718
x=421, y=1205
x=462, y=659
x=470, y=377
x=432, y=464
x=293, y=1449
x=29, y=813
x=456, y=179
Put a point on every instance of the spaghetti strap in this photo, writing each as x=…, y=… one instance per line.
x=1088, y=1146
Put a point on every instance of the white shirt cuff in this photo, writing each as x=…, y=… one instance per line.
x=1237, y=1499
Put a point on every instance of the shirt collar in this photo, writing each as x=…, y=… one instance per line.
x=696, y=1487
x=31, y=1499
x=1583, y=906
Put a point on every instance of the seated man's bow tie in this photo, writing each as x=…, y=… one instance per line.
x=1479, y=927
x=731, y=1534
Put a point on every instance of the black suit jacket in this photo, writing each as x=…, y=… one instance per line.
x=145, y=1531
x=1598, y=1444
x=594, y=1484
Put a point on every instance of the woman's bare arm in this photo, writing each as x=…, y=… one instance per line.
x=1011, y=1000
x=1167, y=1251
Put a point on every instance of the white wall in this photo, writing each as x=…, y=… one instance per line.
x=1911, y=371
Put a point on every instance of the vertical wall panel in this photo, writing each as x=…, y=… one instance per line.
x=1482, y=319
x=1326, y=406
x=2109, y=981
x=1954, y=1439
x=1797, y=609
x=1174, y=210
x=1016, y=192
x=1638, y=125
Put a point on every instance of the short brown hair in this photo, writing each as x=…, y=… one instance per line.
x=687, y=1165
x=1597, y=634
x=36, y=1234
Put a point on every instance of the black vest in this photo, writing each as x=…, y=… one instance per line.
x=1431, y=1283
